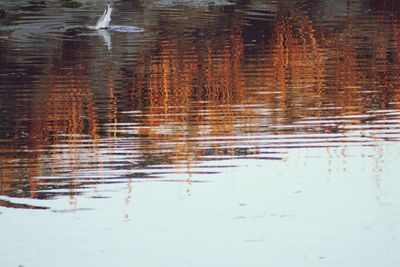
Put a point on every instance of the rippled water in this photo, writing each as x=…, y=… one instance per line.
x=200, y=133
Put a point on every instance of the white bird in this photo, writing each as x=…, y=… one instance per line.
x=104, y=20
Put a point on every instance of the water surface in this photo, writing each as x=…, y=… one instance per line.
x=242, y=133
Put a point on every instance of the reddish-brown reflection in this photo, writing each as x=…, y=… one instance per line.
x=198, y=86
x=190, y=91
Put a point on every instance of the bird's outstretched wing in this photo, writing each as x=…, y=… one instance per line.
x=104, y=20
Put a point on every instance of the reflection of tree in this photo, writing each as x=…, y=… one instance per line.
x=62, y=110
x=211, y=82
x=188, y=90
x=347, y=65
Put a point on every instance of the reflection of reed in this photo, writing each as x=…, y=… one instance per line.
x=189, y=89
x=62, y=111
x=209, y=85
x=346, y=68
x=296, y=67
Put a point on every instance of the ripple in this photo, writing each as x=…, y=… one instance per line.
x=201, y=91
x=120, y=28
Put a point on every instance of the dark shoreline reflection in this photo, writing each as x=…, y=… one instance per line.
x=201, y=84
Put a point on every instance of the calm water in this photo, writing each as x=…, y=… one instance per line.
x=193, y=133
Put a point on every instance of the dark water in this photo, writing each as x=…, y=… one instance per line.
x=213, y=110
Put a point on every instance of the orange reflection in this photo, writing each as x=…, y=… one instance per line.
x=221, y=84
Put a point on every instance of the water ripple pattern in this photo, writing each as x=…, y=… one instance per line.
x=200, y=133
x=204, y=88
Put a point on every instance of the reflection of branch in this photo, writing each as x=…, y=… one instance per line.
x=9, y=204
x=105, y=34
